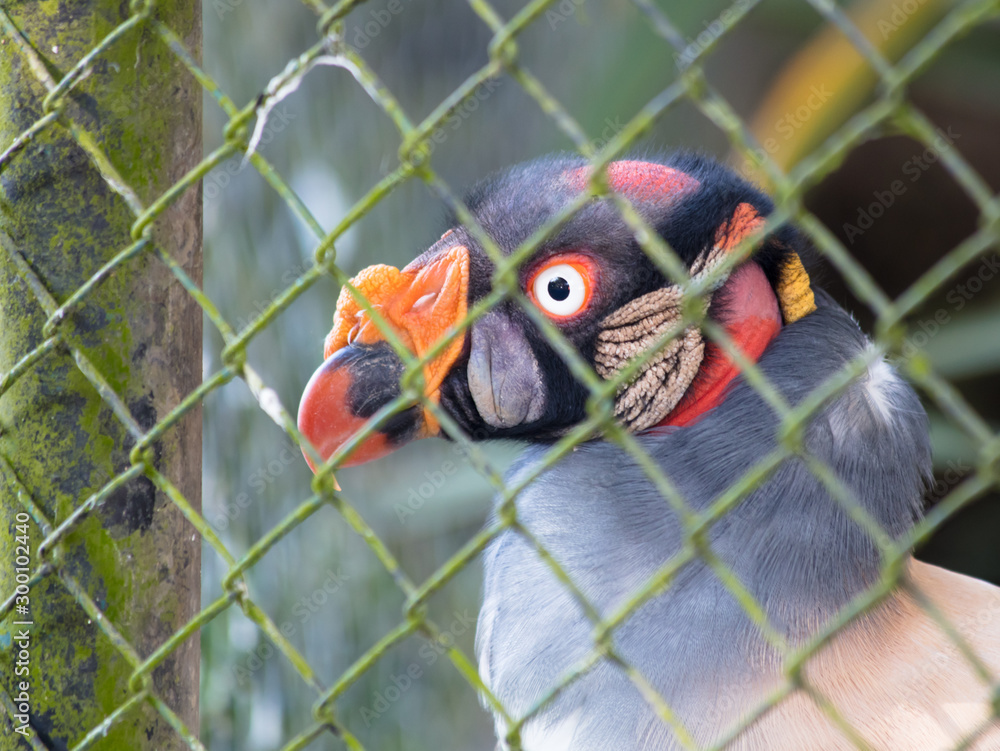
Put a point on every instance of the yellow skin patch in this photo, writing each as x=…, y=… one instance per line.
x=795, y=294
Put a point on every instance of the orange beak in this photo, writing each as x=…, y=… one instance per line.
x=361, y=373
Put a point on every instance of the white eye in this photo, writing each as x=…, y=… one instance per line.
x=560, y=290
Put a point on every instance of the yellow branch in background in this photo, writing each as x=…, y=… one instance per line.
x=829, y=80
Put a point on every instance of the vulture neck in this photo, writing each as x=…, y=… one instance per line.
x=747, y=309
x=789, y=541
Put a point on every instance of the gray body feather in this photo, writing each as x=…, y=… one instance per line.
x=789, y=542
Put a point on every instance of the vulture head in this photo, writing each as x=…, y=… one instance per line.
x=503, y=379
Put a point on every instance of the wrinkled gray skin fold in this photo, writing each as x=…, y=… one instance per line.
x=789, y=542
x=504, y=375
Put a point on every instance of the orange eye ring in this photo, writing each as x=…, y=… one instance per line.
x=562, y=287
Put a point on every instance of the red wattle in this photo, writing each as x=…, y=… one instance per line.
x=752, y=319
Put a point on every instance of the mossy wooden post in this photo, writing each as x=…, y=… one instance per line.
x=135, y=556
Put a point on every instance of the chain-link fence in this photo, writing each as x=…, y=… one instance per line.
x=250, y=126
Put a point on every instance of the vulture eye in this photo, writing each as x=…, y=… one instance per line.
x=562, y=287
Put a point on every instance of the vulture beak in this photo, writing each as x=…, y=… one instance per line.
x=362, y=372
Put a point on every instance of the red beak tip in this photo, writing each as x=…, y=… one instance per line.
x=327, y=421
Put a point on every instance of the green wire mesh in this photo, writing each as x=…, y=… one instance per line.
x=890, y=108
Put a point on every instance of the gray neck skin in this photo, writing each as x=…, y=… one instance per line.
x=789, y=542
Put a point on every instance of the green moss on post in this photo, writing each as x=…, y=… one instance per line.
x=135, y=556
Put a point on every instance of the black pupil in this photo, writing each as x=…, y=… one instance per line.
x=558, y=289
